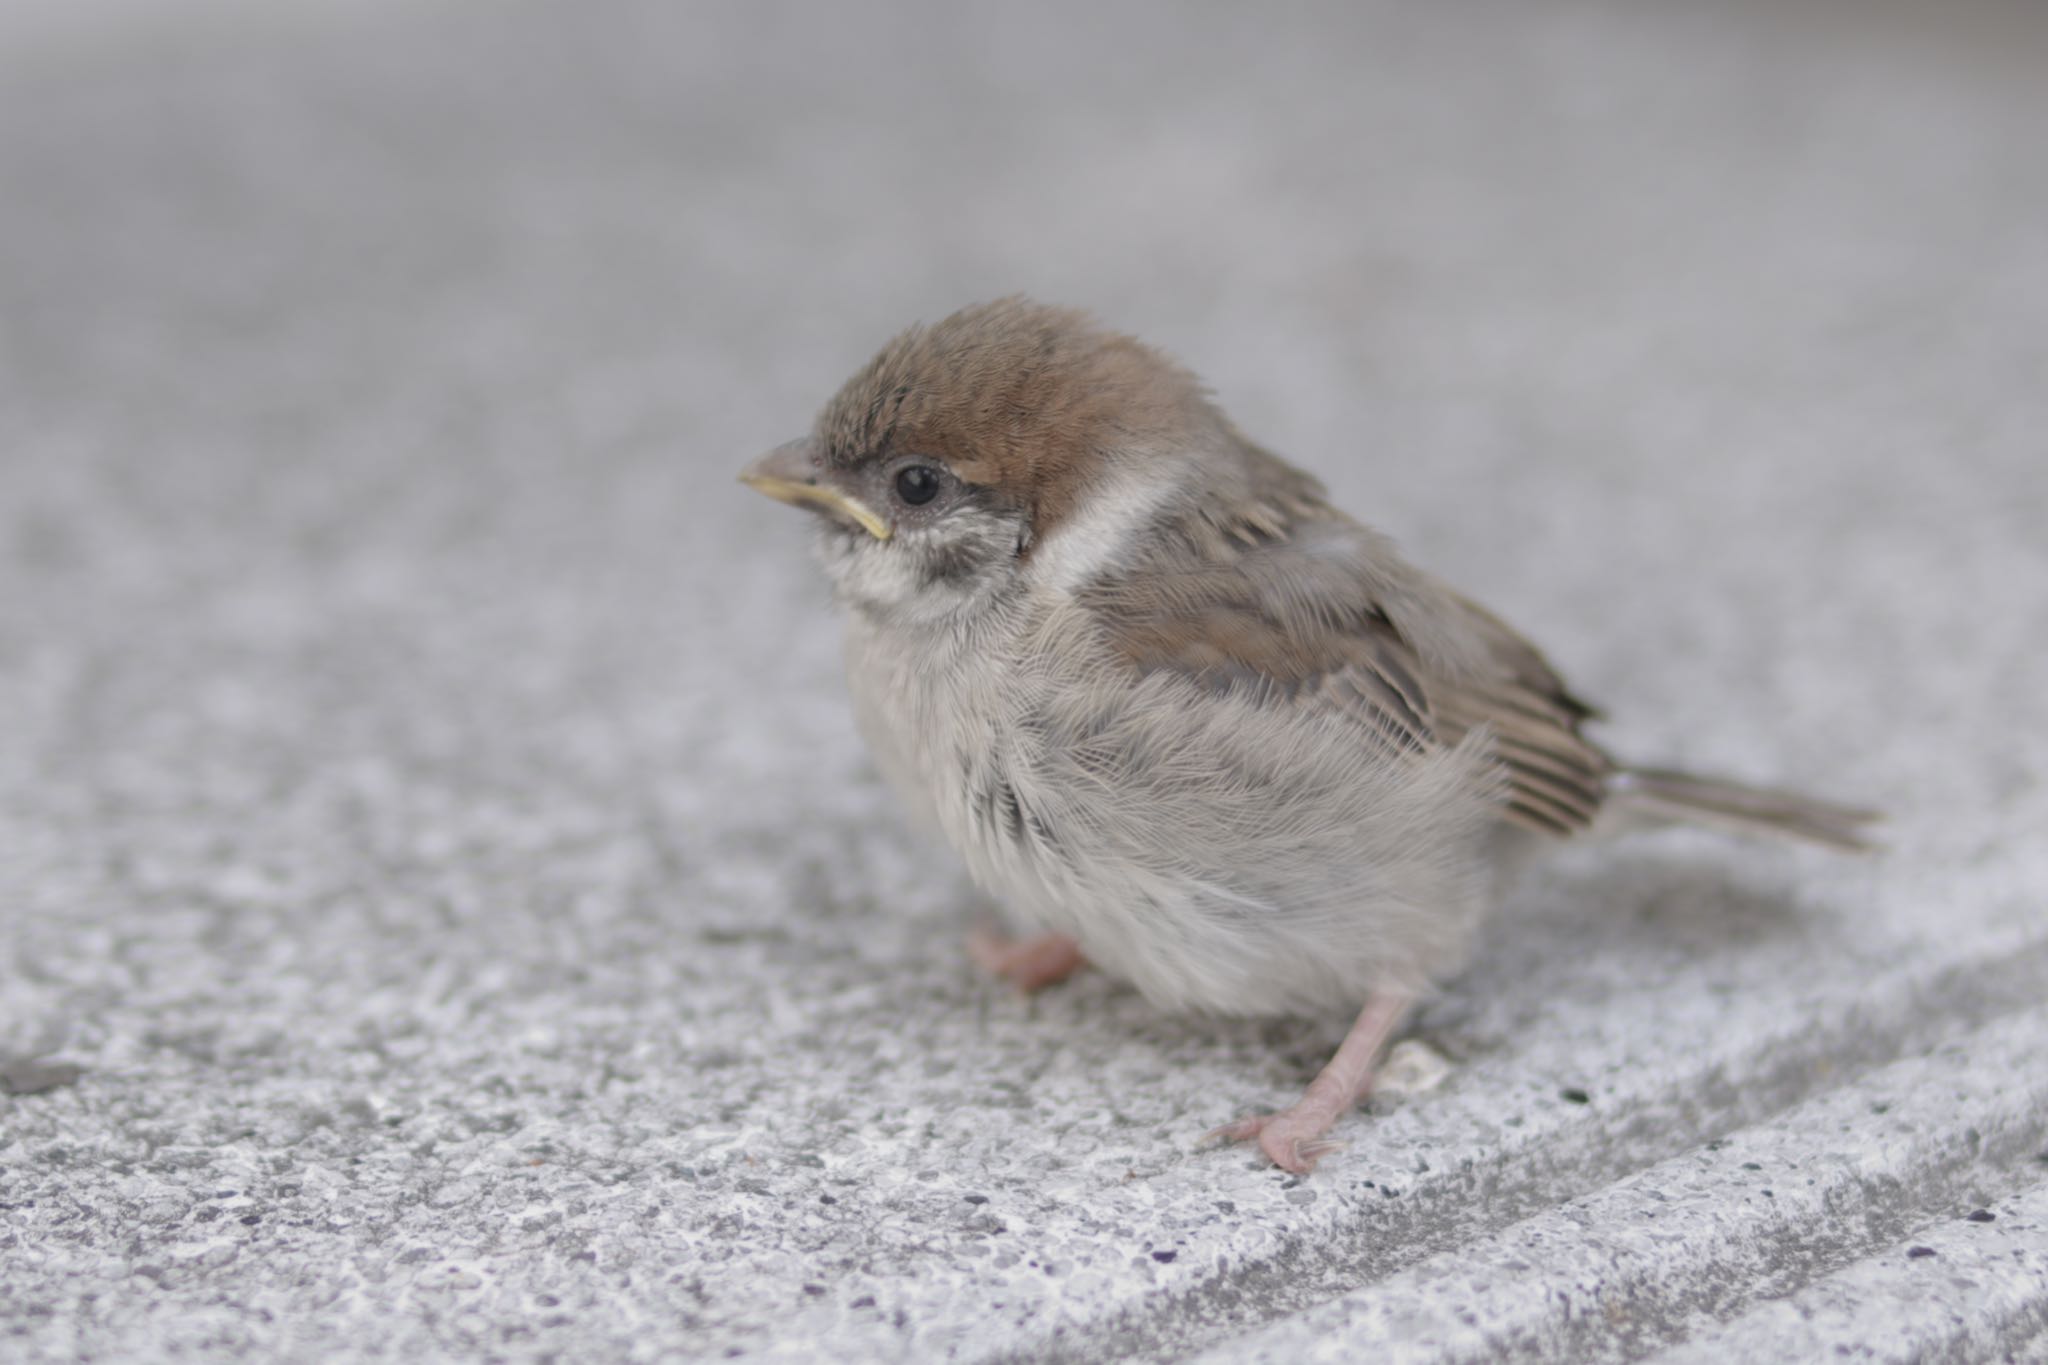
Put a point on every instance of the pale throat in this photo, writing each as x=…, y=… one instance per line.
x=895, y=585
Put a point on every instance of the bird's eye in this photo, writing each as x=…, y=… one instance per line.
x=917, y=484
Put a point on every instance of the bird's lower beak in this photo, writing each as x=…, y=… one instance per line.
x=790, y=473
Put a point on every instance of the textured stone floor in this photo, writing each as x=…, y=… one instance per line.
x=446, y=915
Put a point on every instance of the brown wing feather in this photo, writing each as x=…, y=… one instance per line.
x=1292, y=601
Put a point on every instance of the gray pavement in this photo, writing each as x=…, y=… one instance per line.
x=445, y=913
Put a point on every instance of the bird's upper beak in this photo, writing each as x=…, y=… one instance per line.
x=793, y=474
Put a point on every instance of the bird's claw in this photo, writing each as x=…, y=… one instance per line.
x=1293, y=1143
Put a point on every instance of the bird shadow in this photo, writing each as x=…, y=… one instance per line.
x=1591, y=922
x=1603, y=922
x=1585, y=927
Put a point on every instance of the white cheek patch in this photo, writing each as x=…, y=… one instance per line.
x=1103, y=532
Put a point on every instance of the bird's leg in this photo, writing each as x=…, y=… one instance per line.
x=1029, y=964
x=1294, y=1138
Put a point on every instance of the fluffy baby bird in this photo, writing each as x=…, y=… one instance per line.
x=1179, y=714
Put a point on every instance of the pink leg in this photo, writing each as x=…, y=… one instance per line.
x=1029, y=964
x=1294, y=1138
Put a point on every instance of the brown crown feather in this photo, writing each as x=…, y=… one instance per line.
x=1019, y=397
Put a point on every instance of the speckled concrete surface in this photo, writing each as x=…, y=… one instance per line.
x=447, y=915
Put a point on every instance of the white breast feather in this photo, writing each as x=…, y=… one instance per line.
x=1219, y=853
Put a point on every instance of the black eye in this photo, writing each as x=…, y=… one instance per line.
x=917, y=484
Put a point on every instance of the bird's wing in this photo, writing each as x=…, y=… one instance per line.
x=1281, y=598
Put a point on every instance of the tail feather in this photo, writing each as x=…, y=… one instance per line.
x=1664, y=795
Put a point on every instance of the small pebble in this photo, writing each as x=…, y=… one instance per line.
x=23, y=1076
x=1411, y=1068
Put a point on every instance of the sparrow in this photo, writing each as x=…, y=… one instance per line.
x=1180, y=715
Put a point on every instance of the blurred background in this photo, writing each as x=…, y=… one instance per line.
x=401, y=705
x=310, y=313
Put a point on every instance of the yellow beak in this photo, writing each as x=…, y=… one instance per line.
x=789, y=474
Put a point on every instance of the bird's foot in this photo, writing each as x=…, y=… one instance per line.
x=1295, y=1141
x=1029, y=964
x=1297, y=1138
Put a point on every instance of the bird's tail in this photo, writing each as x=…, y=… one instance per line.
x=1663, y=796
